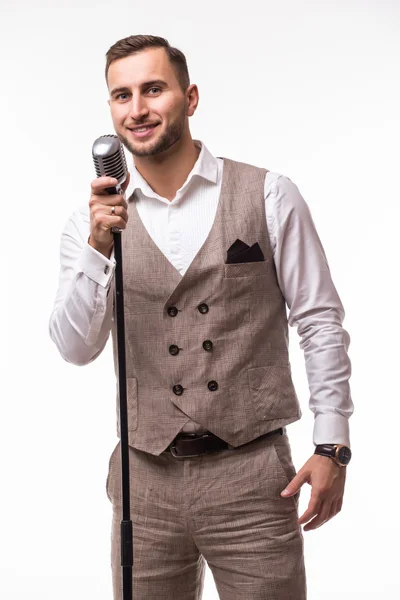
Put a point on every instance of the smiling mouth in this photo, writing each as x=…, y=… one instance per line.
x=139, y=129
x=143, y=131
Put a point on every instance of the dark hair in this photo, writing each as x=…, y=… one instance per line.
x=137, y=43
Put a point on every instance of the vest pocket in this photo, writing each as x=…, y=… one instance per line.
x=249, y=269
x=272, y=392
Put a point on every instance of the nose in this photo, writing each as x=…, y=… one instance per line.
x=138, y=109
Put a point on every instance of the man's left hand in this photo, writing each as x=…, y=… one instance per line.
x=327, y=481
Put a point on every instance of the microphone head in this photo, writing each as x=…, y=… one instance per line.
x=109, y=157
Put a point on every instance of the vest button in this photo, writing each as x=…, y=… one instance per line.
x=203, y=308
x=174, y=350
x=207, y=345
x=178, y=390
x=212, y=386
x=172, y=311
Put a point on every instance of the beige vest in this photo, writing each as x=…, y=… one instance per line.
x=240, y=385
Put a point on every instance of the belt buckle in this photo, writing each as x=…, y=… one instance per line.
x=172, y=447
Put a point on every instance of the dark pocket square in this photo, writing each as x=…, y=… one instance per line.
x=240, y=252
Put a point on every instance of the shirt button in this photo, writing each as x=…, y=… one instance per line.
x=203, y=308
x=207, y=345
x=212, y=386
x=106, y=269
x=178, y=390
x=174, y=350
x=172, y=311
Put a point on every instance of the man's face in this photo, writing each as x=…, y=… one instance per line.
x=144, y=91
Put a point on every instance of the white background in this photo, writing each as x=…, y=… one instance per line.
x=309, y=89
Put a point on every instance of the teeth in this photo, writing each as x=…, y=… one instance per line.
x=142, y=129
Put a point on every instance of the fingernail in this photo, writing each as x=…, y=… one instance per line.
x=284, y=493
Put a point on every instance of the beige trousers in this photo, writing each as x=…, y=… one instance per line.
x=224, y=508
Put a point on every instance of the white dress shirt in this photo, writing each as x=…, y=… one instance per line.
x=81, y=319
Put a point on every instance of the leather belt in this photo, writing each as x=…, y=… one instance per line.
x=189, y=445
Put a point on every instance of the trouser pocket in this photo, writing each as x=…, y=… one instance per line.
x=283, y=454
x=110, y=471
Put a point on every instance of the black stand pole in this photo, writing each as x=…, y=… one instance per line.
x=126, y=523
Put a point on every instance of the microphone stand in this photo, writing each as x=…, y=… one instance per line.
x=109, y=159
x=126, y=523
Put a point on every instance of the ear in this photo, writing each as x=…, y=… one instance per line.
x=192, y=99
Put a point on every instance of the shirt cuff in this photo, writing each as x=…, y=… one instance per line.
x=96, y=266
x=331, y=428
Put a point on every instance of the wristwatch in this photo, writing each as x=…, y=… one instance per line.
x=339, y=453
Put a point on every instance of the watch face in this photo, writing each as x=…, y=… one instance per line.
x=344, y=455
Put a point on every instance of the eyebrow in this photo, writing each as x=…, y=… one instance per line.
x=144, y=85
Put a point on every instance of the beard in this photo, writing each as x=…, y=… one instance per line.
x=151, y=148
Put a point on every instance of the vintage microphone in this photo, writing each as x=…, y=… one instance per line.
x=109, y=159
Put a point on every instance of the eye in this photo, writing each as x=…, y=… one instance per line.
x=119, y=96
x=155, y=88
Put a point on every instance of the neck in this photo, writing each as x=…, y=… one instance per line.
x=167, y=172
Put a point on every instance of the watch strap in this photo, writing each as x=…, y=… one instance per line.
x=326, y=450
x=332, y=451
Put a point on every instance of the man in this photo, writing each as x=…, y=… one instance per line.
x=213, y=251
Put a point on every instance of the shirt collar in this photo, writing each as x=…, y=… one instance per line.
x=206, y=167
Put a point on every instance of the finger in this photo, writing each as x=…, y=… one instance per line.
x=126, y=182
x=321, y=518
x=100, y=200
x=334, y=509
x=117, y=222
x=296, y=483
x=338, y=505
x=99, y=185
x=119, y=211
x=111, y=221
x=313, y=509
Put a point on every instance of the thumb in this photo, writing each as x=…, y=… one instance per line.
x=126, y=182
x=295, y=484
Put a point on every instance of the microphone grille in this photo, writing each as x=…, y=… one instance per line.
x=109, y=157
